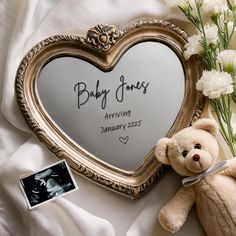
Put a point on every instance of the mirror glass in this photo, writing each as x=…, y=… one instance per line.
x=117, y=115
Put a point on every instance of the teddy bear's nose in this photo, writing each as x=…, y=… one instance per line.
x=196, y=157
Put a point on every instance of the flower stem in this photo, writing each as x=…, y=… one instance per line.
x=210, y=51
x=224, y=114
x=205, y=44
x=232, y=32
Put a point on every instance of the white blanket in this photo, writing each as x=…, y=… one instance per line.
x=91, y=210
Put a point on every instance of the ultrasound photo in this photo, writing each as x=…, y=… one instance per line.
x=48, y=184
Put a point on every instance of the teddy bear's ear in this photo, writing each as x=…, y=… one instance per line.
x=160, y=151
x=208, y=125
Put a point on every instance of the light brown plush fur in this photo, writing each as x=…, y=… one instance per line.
x=214, y=196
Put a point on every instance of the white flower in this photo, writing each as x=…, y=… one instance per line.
x=214, y=83
x=214, y=7
x=193, y=46
x=211, y=32
x=227, y=59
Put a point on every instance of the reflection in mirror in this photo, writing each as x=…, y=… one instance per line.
x=118, y=115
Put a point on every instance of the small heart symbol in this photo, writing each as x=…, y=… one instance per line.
x=124, y=140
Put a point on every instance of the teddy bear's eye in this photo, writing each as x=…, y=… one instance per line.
x=184, y=153
x=197, y=146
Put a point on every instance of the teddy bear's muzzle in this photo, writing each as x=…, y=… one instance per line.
x=198, y=161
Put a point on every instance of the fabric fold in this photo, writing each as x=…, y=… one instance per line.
x=30, y=15
x=66, y=218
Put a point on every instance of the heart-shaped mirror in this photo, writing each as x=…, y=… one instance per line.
x=101, y=102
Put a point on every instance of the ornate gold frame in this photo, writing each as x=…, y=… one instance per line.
x=103, y=46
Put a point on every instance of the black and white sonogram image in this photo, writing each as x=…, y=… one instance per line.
x=48, y=184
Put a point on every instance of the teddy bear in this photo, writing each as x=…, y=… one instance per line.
x=192, y=152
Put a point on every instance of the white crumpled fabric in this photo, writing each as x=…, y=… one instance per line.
x=91, y=210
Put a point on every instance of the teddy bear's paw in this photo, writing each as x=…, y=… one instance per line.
x=170, y=222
